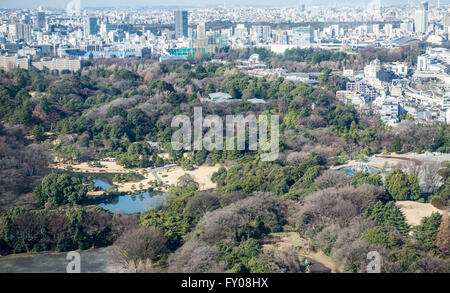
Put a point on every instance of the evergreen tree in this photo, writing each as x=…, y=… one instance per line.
x=413, y=186
x=425, y=233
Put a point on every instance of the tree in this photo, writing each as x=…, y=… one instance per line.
x=413, y=187
x=380, y=236
x=425, y=233
x=388, y=214
x=431, y=176
x=396, y=185
x=201, y=203
x=60, y=189
x=397, y=144
x=402, y=187
x=38, y=133
x=141, y=244
x=196, y=257
x=442, y=238
x=366, y=178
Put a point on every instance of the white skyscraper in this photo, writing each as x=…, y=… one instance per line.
x=201, y=30
x=421, y=19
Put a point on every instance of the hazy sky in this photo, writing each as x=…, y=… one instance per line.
x=191, y=3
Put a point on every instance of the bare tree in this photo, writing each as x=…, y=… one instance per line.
x=331, y=178
x=138, y=246
x=196, y=257
x=410, y=167
x=431, y=178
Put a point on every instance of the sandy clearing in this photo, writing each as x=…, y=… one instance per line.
x=106, y=167
x=415, y=211
x=201, y=174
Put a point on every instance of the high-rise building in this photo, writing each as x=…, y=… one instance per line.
x=181, y=23
x=422, y=63
x=90, y=26
x=302, y=36
x=266, y=32
x=20, y=31
x=388, y=29
x=372, y=70
x=446, y=22
x=240, y=30
x=446, y=101
x=201, y=30
x=41, y=19
x=421, y=19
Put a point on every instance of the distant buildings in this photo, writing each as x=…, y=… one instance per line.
x=201, y=30
x=40, y=19
x=302, y=36
x=372, y=70
x=90, y=26
x=422, y=63
x=446, y=102
x=181, y=24
x=421, y=19
x=350, y=97
x=362, y=88
x=20, y=32
x=59, y=64
x=11, y=62
x=389, y=111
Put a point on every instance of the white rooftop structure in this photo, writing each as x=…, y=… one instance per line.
x=220, y=97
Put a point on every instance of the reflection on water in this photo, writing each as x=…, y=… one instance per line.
x=101, y=183
x=130, y=203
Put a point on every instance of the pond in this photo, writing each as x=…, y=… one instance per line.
x=355, y=169
x=97, y=260
x=131, y=203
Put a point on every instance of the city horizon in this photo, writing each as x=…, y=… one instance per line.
x=53, y=4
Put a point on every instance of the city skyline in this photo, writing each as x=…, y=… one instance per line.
x=21, y=4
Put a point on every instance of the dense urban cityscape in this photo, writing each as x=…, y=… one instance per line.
x=61, y=40
x=327, y=148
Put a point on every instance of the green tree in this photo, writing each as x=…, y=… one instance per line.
x=413, y=187
x=389, y=215
x=60, y=189
x=425, y=233
x=396, y=185
x=380, y=236
x=397, y=144
x=38, y=133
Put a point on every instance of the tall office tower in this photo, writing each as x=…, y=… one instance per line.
x=266, y=32
x=421, y=19
x=20, y=31
x=388, y=29
x=181, y=23
x=302, y=36
x=90, y=26
x=446, y=22
x=201, y=30
x=41, y=19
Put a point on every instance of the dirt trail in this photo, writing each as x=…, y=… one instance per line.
x=292, y=241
